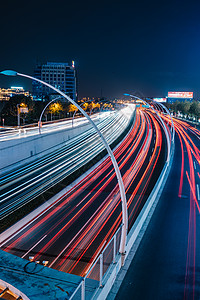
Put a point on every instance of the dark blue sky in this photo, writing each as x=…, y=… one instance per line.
x=148, y=47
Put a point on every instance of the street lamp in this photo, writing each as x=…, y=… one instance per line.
x=116, y=167
x=172, y=123
x=164, y=126
x=18, y=115
x=40, y=120
x=77, y=110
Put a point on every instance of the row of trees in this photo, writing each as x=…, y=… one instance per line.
x=56, y=110
x=186, y=108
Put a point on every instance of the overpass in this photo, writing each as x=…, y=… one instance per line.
x=88, y=281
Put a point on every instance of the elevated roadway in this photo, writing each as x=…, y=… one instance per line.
x=74, y=229
x=22, y=184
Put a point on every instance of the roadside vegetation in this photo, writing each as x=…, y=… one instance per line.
x=56, y=110
x=186, y=109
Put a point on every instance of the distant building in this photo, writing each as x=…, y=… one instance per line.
x=160, y=100
x=179, y=96
x=60, y=75
x=6, y=94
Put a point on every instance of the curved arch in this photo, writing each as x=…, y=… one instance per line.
x=40, y=119
x=116, y=167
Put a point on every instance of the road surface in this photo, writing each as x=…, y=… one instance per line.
x=72, y=231
x=167, y=263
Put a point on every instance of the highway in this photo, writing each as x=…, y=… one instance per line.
x=167, y=263
x=47, y=127
x=23, y=184
x=77, y=226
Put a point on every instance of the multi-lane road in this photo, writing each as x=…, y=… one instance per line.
x=71, y=232
x=167, y=263
x=24, y=183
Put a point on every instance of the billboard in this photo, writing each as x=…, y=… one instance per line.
x=160, y=99
x=185, y=95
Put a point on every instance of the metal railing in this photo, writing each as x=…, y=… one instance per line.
x=94, y=277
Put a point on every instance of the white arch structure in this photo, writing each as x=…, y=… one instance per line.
x=164, y=126
x=40, y=120
x=116, y=167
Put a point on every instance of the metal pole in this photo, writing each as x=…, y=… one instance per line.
x=101, y=270
x=40, y=119
x=77, y=110
x=114, y=249
x=116, y=167
x=83, y=290
x=172, y=123
x=18, y=115
x=164, y=126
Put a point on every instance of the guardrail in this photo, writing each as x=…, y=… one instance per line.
x=94, y=277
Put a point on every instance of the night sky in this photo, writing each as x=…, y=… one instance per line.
x=141, y=47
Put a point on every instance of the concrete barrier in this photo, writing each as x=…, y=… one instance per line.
x=25, y=149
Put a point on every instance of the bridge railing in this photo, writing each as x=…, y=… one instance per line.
x=94, y=277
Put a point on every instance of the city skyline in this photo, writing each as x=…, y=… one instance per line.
x=144, y=48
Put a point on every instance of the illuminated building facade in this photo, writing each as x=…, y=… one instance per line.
x=6, y=94
x=60, y=75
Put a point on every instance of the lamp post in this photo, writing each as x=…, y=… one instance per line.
x=77, y=110
x=116, y=167
x=18, y=115
x=164, y=126
x=172, y=123
x=40, y=120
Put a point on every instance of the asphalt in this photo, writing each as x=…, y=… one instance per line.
x=158, y=269
x=39, y=238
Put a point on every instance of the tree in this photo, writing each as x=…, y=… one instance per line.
x=9, y=111
x=97, y=106
x=72, y=108
x=195, y=109
x=186, y=107
x=55, y=108
x=85, y=106
x=91, y=105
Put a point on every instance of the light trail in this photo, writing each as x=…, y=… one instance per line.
x=97, y=201
x=193, y=192
x=191, y=149
x=20, y=186
x=34, y=246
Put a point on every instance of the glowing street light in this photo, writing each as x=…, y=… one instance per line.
x=116, y=167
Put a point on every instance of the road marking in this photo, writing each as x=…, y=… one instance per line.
x=194, y=165
x=34, y=246
x=83, y=199
x=198, y=196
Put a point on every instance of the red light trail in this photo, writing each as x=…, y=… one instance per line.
x=83, y=220
x=192, y=150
